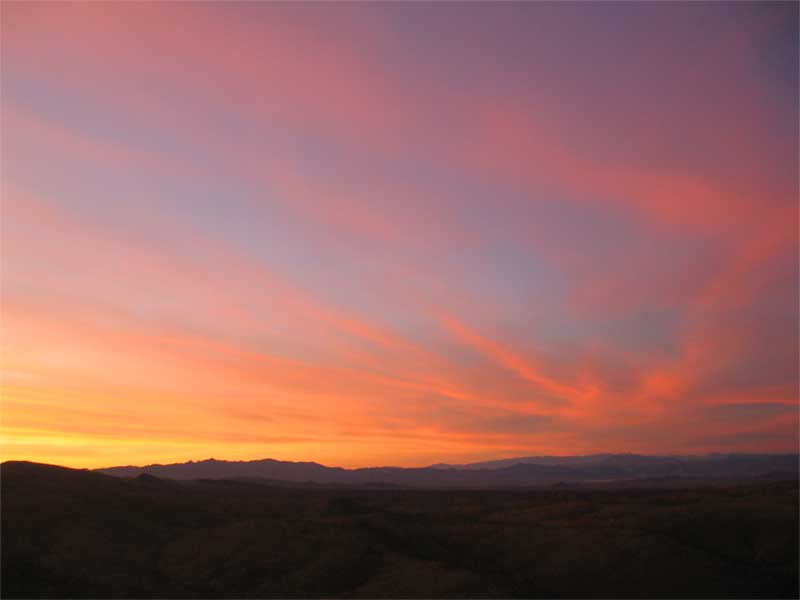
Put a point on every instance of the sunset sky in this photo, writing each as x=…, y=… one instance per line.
x=398, y=233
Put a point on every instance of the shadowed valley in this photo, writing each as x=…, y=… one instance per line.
x=80, y=533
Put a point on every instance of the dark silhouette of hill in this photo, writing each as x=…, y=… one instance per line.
x=77, y=533
x=510, y=472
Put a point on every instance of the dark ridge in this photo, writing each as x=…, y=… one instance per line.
x=79, y=534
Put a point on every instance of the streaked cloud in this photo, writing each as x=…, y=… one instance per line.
x=399, y=233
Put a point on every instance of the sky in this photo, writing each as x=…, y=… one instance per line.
x=397, y=233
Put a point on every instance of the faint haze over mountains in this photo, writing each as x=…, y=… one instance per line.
x=523, y=471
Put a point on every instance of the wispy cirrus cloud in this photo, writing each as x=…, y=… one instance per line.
x=395, y=235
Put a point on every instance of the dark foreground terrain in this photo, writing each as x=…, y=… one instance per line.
x=68, y=533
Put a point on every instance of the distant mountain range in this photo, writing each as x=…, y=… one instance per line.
x=512, y=472
x=76, y=533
